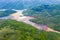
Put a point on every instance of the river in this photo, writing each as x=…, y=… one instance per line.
x=18, y=16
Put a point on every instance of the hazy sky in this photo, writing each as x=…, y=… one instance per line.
x=30, y=0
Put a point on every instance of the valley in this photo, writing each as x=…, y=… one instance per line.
x=29, y=20
x=18, y=16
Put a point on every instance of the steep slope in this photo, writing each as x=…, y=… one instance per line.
x=13, y=30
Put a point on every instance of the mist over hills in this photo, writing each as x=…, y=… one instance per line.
x=21, y=4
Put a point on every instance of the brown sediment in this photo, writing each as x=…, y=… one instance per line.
x=25, y=19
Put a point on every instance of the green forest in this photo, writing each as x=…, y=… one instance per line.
x=29, y=19
x=46, y=15
x=6, y=13
x=13, y=30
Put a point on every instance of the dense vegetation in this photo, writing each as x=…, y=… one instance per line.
x=6, y=13
x=45, y=14
x=13, y=30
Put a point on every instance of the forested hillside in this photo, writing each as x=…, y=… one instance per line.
x=6, y=13
x=13, y=30
x=46, y=15
x=32, y=20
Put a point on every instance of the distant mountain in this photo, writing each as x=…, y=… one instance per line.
x=21, y=4
x=11, y=5
x=41, y=1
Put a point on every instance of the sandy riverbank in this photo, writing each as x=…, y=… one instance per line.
x=18, y=16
